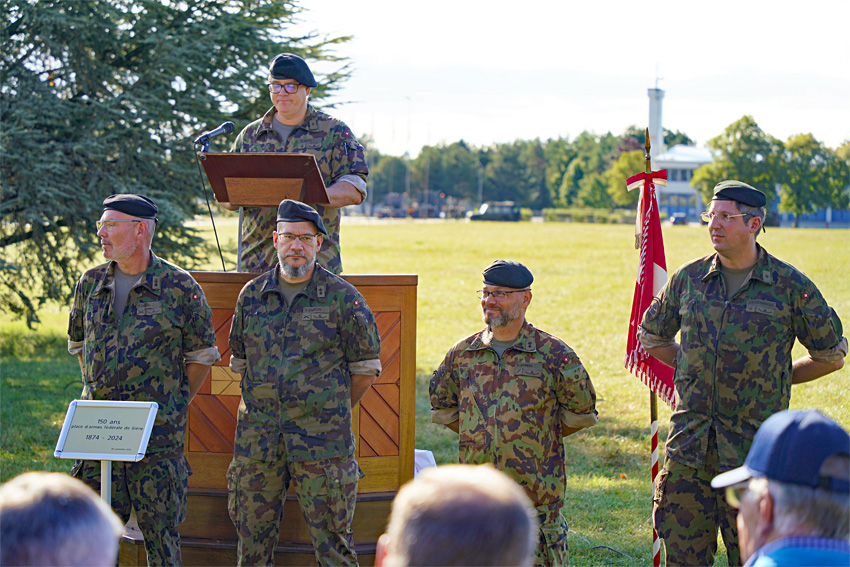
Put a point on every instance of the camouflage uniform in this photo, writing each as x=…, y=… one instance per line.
x=141, y=357
x=733, y=371
x=337, y=154
x=510, y=413
x=294, y=420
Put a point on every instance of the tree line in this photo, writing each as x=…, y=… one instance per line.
x=106, y=96
x=591, y=170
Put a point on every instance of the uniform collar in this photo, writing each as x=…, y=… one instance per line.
x=310, y=122
x=151, y=277
x=317, y=285
x=524, y=342
x=762, y=270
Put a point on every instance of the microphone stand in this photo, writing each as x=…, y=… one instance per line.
x=205, y=148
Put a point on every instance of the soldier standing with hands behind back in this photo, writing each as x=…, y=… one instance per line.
x=308, y=349
x=512, y=392
x=739, y=311
x=143, y=331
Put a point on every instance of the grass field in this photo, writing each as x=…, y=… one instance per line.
x=584, y=280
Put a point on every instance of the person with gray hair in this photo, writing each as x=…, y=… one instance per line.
x=459, y=515
x=53, y=519
x=793, y=493
x=142, y=330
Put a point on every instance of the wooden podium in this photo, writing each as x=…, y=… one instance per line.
x=263, y=179
x=383, y=425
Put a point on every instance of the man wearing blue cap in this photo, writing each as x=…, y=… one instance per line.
x=292, y=125
x=143, y=331
x=512, y=392
x=793, y=493
x=739, y=312
x=308, y=348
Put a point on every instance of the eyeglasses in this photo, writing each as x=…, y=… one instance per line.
x=110, y=224
x=304, y=238
x=290, y=88
x=498, y=295
x=724, y=217
x=735, y=493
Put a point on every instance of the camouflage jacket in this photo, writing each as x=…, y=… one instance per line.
x=734, y=365
x=141, y=356
x=511, y=410
x=296, y=388
x=337, y=153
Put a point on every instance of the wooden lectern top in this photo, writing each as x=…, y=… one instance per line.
x=263, y=179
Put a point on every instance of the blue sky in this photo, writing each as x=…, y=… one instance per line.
x=497, y=71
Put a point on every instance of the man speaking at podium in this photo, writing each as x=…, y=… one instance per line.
x=292, y=125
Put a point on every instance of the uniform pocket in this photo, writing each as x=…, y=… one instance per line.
x=658, y=512
x=554, y=542
x=234, y=492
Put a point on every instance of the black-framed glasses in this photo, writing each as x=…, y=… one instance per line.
x=290, y=88
x=110, y=224
x=498, y=295
x=304, y=238
x=724, y=217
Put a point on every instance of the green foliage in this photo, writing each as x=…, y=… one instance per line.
x=674, y=138
x=387, y=175
x=746, y=153
x=588, y=214
x=102, y=97
x=625, y=166
x=814, y=176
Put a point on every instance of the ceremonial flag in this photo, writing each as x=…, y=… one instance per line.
x=651, y=277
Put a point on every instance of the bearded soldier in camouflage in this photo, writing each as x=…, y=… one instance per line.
x=738, y=311
x=512, y=392
x=308, y=348
x=143, y=332
x=294, y=126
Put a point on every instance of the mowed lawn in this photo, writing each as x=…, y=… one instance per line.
x=584, y=281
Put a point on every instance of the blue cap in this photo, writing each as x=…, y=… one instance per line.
x=790, y=447
x=296, y=211
x=508, y=273
x=130, y=204
x=290, y=66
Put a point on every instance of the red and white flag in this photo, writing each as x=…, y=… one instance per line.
x=651, y=277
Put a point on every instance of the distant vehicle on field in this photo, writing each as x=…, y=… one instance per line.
x=497, y=211
x=679, y=219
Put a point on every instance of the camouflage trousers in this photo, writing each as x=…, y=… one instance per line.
x=552, y=548
x=687, y=513
x=156, y=490
x=326, y=492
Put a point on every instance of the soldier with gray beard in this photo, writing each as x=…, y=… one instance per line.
x=308, y=348
x=512, y=392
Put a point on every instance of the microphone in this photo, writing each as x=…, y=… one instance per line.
x=224, y=128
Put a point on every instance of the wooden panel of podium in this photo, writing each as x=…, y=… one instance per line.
x=383, y=425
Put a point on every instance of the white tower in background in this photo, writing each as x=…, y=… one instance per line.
x=656, y=130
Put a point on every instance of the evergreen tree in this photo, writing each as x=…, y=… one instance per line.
x=102, y=97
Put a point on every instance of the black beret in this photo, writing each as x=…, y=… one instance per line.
x=508, y=273
x=732, y=190
x=296, y=211
x=135, y=205
x=289, y=66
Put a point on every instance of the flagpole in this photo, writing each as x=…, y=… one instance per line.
x=653, y=411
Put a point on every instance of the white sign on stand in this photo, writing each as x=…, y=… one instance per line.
x=106, y=431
